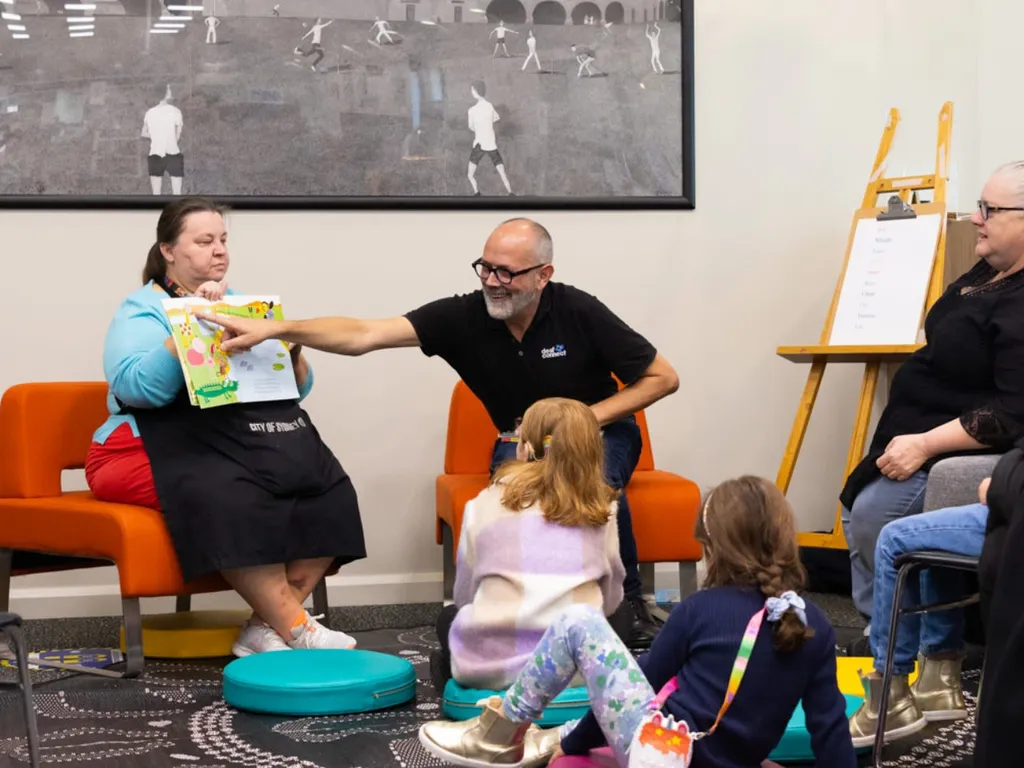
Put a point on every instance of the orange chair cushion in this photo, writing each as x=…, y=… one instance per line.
x=135, y=538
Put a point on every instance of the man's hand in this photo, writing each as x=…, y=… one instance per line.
x=983, y=490
x=241, y=333
x=903, y=457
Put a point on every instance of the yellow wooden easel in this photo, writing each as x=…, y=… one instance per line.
x=819, y=355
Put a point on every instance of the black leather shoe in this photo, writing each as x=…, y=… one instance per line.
x=644, y=628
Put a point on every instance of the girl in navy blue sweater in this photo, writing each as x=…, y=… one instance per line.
x=753, y=565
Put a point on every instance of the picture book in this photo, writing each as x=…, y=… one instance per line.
x=215, y=377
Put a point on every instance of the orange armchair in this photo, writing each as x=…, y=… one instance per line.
x=664, y=506
x=45, y=429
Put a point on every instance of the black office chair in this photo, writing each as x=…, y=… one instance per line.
x=906, y=564
x=10, y=625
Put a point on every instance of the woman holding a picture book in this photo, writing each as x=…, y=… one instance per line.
x=249, y=489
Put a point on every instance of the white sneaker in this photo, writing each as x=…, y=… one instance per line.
x=313, y=634
x=258, y=637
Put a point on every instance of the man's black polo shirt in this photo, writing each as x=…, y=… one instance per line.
x=571, y=349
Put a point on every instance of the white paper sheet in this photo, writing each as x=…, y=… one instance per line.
x=886, y=281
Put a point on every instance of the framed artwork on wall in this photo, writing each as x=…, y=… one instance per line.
x=348, y=104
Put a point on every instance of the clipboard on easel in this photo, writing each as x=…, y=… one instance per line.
x=890, y=263
x=879, y=304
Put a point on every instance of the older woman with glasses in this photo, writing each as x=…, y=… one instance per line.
x=518, y=339
x=962, y=393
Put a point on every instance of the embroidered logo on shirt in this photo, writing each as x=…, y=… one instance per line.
x=556, y=351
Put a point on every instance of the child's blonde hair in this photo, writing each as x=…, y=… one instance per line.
x=564, y=472
x=749, y=536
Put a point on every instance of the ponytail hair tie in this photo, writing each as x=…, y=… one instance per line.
x=777, y=606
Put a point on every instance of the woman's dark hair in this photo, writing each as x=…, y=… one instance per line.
x=749, y=534
x=168, y=229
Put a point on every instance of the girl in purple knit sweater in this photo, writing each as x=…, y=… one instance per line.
x=747, y=633
x=541, y=538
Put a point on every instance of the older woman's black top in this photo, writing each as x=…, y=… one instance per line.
x=971, y=369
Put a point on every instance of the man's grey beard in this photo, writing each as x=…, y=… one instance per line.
x=514, y=303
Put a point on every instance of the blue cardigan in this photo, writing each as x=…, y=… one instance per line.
x=140, y=370
x=698, y=646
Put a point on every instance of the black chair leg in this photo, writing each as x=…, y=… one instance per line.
x=894, y=619
x=21, y=652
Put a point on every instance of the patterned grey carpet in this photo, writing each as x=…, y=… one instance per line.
x=174, y=717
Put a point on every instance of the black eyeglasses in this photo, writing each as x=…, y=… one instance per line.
x=505, y=276
x=985, y=209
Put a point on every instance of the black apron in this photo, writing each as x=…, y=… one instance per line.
x=248, y=484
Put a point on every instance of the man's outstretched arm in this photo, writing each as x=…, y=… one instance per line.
x=338, y=335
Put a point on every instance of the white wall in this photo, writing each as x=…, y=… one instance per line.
x=791, y=101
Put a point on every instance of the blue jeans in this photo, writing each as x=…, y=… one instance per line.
x=622, y=444
x=959, y=530
x=882, y=501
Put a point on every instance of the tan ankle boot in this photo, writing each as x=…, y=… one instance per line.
x=490, y=739
x=902, y=718
x=937, y=689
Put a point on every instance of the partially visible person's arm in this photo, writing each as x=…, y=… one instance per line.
x=1005, y=490
x=140, y=360
x=825, y=710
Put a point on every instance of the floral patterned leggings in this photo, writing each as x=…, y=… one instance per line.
x=582, y=639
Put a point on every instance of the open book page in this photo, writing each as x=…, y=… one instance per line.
x=215, y=377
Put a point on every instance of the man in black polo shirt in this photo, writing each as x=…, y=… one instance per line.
x=516, y=340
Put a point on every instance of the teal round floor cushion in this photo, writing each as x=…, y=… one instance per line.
x=460, y=703
x=318, y=682
x=795, y=744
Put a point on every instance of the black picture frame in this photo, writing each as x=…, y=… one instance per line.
x=684, y=201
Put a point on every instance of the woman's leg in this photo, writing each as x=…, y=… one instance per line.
x=267, y=590
x=959, y=530
x=303, y=575
x=938, y=692
x=881, y=502
x=581, y=639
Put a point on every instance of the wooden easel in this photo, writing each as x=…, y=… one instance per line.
x=819, y=355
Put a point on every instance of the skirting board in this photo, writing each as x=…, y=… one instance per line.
x=75, y=601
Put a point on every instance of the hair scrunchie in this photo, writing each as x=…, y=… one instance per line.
x=776, y=606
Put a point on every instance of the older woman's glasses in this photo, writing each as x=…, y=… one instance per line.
x=986, y=210
x=504, y=276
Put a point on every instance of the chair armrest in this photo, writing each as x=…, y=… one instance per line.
x=954, y=482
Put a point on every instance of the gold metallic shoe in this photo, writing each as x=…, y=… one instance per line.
x=937, y=690
x=902, y=717
x=540, y=745
x=487, y=740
